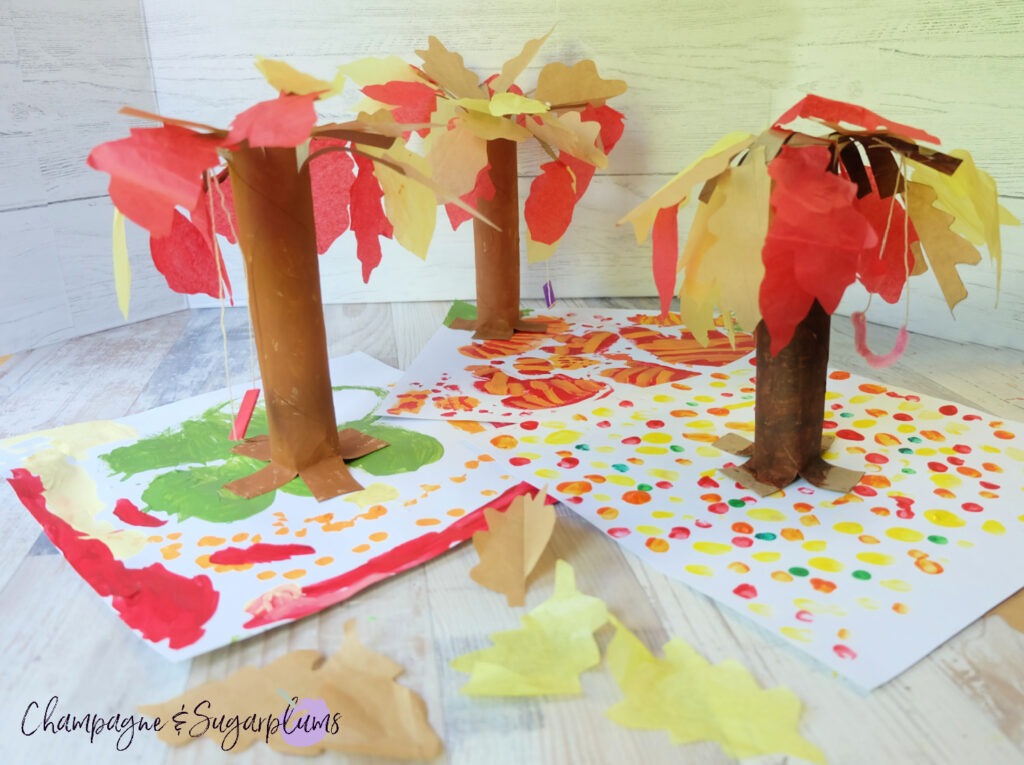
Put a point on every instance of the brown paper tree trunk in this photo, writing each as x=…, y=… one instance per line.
x=497, y=251
x=789, y=414
x=274, y=205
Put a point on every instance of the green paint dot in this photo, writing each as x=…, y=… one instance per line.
x=692, y=403
x=846, y=414
x=909, y=471
x=914, y=439
x=798, y=571
x=644, y=487
x=767, y=536
x=939, y=540
x=621, y=468
x=905, y=450
x=583, y=447
x=862, y=575
x=736, y=503
x=676, y=448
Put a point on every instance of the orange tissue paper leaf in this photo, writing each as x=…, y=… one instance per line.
x=186, y=260
x=305, y=704
x=665, y=245
x=285, y=121
x=836, y=114
x=512, y=544
x=155, y=170
x=331, y=178
x=368, y=220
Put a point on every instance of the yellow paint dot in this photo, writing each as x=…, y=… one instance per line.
x=902, y=534
x=864, y=424
x=944, y=518
x=562, y=437
x=817, y=607
x=621, y=480
x=860, y=398
x=738, y=567
x=661, y=398
x=701, y=425
x=815, y=545
x=360, y=548
x=993, y=527
x=910, y=406
x=667, y=475
x=766, y=557
x=708, y=451
x=869, y=604
x=553, y=425
x=600, y=497
x=700, y=570
x=378, y=536
x=375, y=493
x=896, y=585
x=809, y=520
x=651, y=531
x=800, y=634
x=295, y=573
x=761, y=609
x=766, y=514
x=946, y=480
x=603, y=411
x=326, y=560
x=266, y=575
x=712, y=548
x=704, y=399
x=657, y=437
x=211, y=541
x=651, y=450
x=875, y=558
x=848, y=527
x=662, y=514
x=608, y=513
x=925, y=451
x=906, y=428
x=825, y=564
x=782, y=576
x=546, y=473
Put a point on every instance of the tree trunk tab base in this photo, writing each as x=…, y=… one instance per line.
x=816, y=471
x=500, y=329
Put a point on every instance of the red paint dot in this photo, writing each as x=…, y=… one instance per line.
x=718, y=508
x=937, y=467
x=746, y=591
x=568, y=462
x=702, y=524
x=604, y=424
x=655, y=424
x=962, y=449
x=902, y=417
x=829, y=424
x=742, y=541
x=707, y=482
x=905, y=513
x=529, y=425
x=948, y=410
x=972, y=417
x=904, y=501
x=679, y=532
x=844, y=652
x=626, y=404
x=849, y=435
x=955, y=460
x=989, y=485
x=631, y=440
x=804, y=616
x=664, y=484
x=618, y=532
x=519, y=461
x=972, y=507
x=864, y=491
x=876, y=459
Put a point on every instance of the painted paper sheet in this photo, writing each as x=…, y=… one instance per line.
x=586, y=357
x=867, y=583
x=137, y=508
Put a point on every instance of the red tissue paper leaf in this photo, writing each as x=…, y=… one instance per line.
x=611, y=122
x=283, y=122
x=185, y=259
x=218, y=200
x=484, y=189
x=665, y=246
x=549, y=206
x=331, y=177
x=414, y=102
x=885, y=273
x=155, y=170
x=816, y=238
x=367, y=214
x=835, y=113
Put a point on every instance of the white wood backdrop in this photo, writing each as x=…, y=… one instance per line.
x=696, y=70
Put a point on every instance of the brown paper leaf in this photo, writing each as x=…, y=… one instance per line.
x=562, y=85
x=943, y=249
x=512, y=544
x=447, y=69
x=351, y=698
x=1012, y=611
x=569, y=133
x=515, y=66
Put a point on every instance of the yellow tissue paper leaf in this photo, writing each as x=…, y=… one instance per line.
x=351, y=696
x=515, y=66
x=943, y=248
x=546, y=655
x=447, y=69
x=512, y=544
x=677, y=190
x=560, y=85
x=696, y=701
x=411, y=206
x=504, y=104
x=456, y=157
x=697, y=295
x=122, y=266
x=377, y=71
x=287, y=79
x=537, y=252
x=488, y=127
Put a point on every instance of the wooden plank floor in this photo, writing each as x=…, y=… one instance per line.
x=962, y=704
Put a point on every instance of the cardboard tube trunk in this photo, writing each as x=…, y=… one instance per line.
x=276, y=233
x=789, y=414
x=497, y=251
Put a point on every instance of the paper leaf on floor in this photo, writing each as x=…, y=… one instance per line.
x=546, y=655
x=285, y=121
x=1012, y=611
x=285, y=78
x=943, y=249
x=560, y=85
x=447, y=69
x=122, y=266
x=697, y=701
x=512, y=544
x=349, y=702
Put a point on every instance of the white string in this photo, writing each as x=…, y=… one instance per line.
x=220, y=292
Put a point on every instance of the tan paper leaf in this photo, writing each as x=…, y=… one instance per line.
x=447, y=69
x=488, y=127
x=943, y=249
x=562, y=85
x=515, y=66
x=351, y=698
x=512, y=544
x=570, y=134
x=456, y=157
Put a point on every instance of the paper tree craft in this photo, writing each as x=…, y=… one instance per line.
x=785, y=223
x=471, y=132
x=288, y=191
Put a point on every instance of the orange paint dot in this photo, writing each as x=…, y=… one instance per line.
x=868, y=539
x=901, y=608
x=240, y=537
x=211, y=542
x=718, y=411
x=969, y=471
x=988, y=494
x=636, y=497
x=301, y=532
x=360, y=548
x=575, y=488
x=174, y=535
x=457, y=479
x=295, y=573
x=928, y=566
x=472, y=465
x=917, y=554
x=843, y=633
x=792, y=535
x=489, y=492
x=782, y=576
x=266, y=575
x=428, y=522
x=326, y=560
x=683, y=413
x=822, y=585
x=456, y=512
x=992, y=467
x=378, y=536
x=710, y=498
x=881, y=511
x=595, y=478
x=706, y=438
x=809, y=520
x=485, y=458
x=886, y=439
x=155, y=539
x=654, y=544
x=375, y=511
x=281, y=532
x=739, y=567
x=872, y=388
x=944, y=493
x=742, y=528
x=875, y=481
x=1003, y=434
x=256, y=539
x=839, y=375
x=608, y=513
x=171, y=551
x=933, y=435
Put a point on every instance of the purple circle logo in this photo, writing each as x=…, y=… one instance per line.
x=304, y=722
